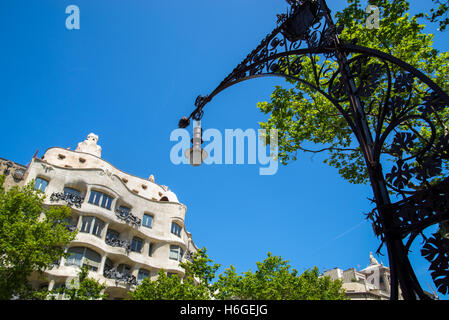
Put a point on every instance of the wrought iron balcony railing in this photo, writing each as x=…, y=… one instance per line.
x=120, y=277
x=71, y=228
x=188, y=256
x=115, y=242
x=128, y=217
x=71, y=199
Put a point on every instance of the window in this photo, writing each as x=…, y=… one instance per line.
x=150, y=250
x=93, y=259
x=176, y=252
x=76, y=256
x=100, y=199
x=124, y=269
x=72, y=223
x=97, y=227
x=176, y=229
x=40, y=184
x=71, y=191
x=86, y=224
x=92, y=225
x=108, y=265
x=112, y=234
x=124, y=210
x=80, y=256
x=142, y=275
x=147, y=220
x=136, y=245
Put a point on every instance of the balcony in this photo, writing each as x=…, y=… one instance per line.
x=71, y=199
x=120, y=277
x=115, y=242
x=188, y=256
x=127, y=216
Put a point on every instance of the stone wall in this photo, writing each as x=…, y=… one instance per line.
x=15, y=173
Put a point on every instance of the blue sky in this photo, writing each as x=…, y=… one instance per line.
x=131, y=72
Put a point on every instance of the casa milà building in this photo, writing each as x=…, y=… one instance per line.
x=128, y=227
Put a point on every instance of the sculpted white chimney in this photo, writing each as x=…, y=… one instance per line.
x=372, y=260
x=90, y=145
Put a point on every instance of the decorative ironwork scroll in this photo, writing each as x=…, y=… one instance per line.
x=275, y=55
x=436, y=251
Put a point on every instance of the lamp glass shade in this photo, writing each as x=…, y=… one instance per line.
x=196, y=156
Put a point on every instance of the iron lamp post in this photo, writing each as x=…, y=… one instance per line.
x=385, y=102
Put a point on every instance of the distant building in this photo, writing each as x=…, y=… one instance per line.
x=371, y=283
x=128, y=227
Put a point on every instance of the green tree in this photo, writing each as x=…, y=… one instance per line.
x=32, y=237
x=83, y=288
x=274, y=279
x=304, y=117
x=194, y=286
x=439, y=13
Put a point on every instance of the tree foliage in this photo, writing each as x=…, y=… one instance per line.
x=274, y=279
x=439, y=13
x=32, y=237
x=194, y=286
x=169, y=288
x=83, y=288
x=304, y=117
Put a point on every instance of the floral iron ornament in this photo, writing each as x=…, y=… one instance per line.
x=436, y=250
x=397, y=115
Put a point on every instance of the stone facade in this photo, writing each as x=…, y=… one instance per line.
x=128, y=227
x=371, y=283
x=14, y=173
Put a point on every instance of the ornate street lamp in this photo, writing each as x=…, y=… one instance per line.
x=196, y=154
x=399, y=100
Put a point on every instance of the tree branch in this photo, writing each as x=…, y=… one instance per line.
x=327, y=149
